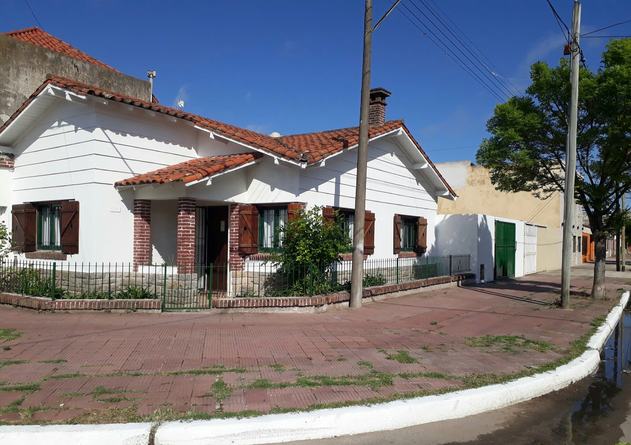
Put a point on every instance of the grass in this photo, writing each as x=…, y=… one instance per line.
x=100, y=392
x=55, y=361
x=4, y=363
x=8, y=334
x=373, y=379
x=26, y=387
x=508, y=343
x=211, y=370
x=220, y=391
x=70, y=375
x=365, y=364
x=401, y=356
x=278, y=367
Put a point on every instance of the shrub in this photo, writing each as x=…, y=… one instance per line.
x=135, y=293
x=5, y=242
x=306, y=263
x=28, y=281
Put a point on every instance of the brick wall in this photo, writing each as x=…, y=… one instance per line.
x=142, y=232
x=234, y=258
x=377, y=113
x=186, y=235
x=7, y=161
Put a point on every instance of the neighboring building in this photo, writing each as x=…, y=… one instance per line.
x=26, y=57
x=154, y=184
x=536, y=223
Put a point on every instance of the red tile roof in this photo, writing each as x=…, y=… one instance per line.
x=308, y=147
x=41, y=38
x=192, y=170
x=319, y=145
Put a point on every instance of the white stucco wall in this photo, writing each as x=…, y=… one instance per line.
x=474, y=234
x=77, y=150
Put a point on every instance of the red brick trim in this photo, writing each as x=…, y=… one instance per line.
x=235, y=259
x=7, y=161
x=46, y=304
x=406, y=254
x=186, y=234
x=339, y=297
x=142, y=232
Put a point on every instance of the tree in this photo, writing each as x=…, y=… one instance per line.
x=526, y=149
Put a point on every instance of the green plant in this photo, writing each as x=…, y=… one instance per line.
x=306, y=263
x=30, y=281
x=508, y=343
x=5, y=242
x=8, y=334
x=135, y=293
x=401, y=356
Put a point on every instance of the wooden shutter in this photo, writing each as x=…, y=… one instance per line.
x=421, y=234
x=248, y=229
x=328, y=213
x=369, y=233
x=24, y=227
x=70, y=227
x=293, y=210
x=396, y=234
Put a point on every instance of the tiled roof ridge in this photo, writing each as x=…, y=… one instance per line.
x=336, y=130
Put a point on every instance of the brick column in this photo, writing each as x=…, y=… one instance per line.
x=186, y=235
x=235, y=260
x=7, y=161
x=142, y=232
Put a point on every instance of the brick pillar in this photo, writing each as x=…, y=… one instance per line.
x=186, y=235
x=235, y=260
x=142, y=232
x=7, y=161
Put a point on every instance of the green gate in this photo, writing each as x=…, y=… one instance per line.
x=505, y=248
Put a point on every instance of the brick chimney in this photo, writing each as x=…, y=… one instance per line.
x=377, y=107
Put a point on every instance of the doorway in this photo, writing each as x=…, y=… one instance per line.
x=211, y=246
x=505, y=248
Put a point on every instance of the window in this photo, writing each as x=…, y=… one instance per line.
x=408, y=233
x=574, y=244
x=346, y=219
x=49, y=227
x=271, y=222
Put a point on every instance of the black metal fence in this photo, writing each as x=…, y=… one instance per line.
x=196, y=288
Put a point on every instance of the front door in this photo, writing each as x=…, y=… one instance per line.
x=505, y=248
x=212, y=247
x=218, y=246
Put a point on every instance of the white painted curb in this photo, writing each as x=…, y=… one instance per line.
x=392, y=415
x=114, y=434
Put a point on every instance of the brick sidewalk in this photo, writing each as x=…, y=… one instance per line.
x=99, y=367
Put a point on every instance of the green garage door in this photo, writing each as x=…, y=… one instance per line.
x=505, y=248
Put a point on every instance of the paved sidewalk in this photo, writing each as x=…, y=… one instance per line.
x=102, y=367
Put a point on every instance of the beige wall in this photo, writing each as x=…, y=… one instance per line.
x=477, y=195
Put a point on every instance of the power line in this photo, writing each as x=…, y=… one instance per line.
x=427, y=32
x=498, y=80
x=566, y=33
x=490, y=65
x=33, y=13
x=606, y=27
x=606, y=37
x=454, y=45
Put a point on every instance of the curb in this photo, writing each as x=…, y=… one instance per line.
x=327, y=423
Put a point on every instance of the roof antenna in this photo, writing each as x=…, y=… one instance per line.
x=151, y=74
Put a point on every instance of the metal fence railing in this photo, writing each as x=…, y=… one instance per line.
x=195, y=287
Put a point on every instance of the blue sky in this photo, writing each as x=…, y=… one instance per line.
x=294, y=66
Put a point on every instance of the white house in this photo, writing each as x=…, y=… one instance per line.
x=94, y=176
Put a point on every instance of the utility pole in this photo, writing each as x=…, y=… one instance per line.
x=570, y=160
x=357, y=274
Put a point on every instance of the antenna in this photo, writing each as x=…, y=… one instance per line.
x=180, y=104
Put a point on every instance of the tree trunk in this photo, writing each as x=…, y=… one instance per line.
x=600, y=247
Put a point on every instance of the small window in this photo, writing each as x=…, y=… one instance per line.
x=346, y=219
x=574, y=244
x=271, y=222
x=408, y=233
x=49, y=227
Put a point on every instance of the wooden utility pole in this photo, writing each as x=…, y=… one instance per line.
x=357, y=274
x=570, y=160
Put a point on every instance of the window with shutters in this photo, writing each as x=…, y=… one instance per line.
x=346, y=220
x=409, y=233
x=271, y=222
x=49, y=226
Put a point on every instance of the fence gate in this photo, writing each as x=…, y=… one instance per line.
x=505, y=248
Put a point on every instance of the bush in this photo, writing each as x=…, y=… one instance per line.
x=5, y=242
x=306, y=263
x=135, y=293
x=29, y=281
